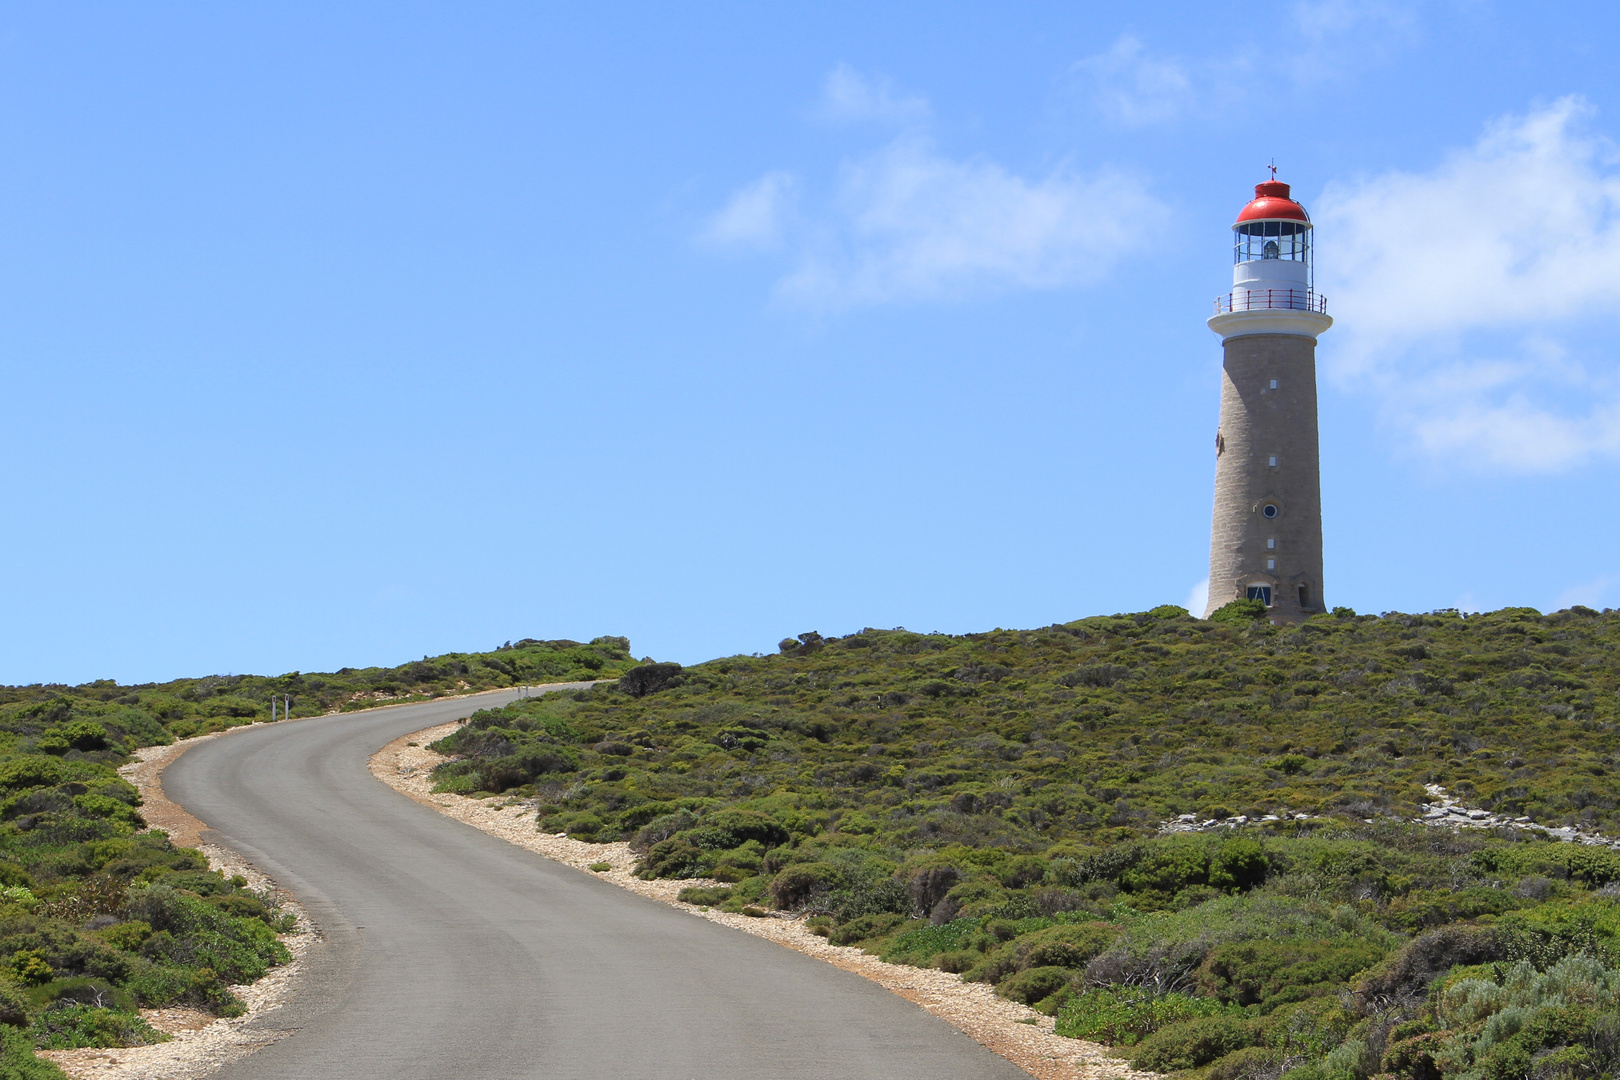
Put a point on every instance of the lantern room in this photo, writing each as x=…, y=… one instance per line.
x=1271, y=254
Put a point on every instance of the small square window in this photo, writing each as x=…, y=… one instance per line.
x=1271, y=543
x=1274, y=384
x=1271, y=564
x=1272, y=461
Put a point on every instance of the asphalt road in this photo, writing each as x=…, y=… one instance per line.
x=451, y=954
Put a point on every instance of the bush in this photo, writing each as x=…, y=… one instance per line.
x=1423, y=959
x=1238, y=612
x=675, y=858
x=796, y=885
x=13, y=1008
x=697, y=894
x=1191, y=1044
x=64, y=1027
x=1124, y=1016
x=922, y=944
x=1272, y=973
x=650, y=679
x=1035, y=984
x=17, y=1060
x=864, y=928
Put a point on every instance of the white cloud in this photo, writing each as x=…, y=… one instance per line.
x=1198, y=599
x=754, y=216
x=909, y=223
x=1132, y=88
x=1333, y=22
x=1500, y=249
x=850, y=96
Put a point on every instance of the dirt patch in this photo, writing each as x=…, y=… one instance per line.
x=1019, y=1034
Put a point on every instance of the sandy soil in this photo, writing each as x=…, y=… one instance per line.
x=202, y=1042
x=1019, y=1034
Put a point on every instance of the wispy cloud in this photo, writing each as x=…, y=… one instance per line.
x=756, y=215
x=1132, y=87
x=1596, y=593
x=1453, y=288
x=849, y=96
x=909, y=222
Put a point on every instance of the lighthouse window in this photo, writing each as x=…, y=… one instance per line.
x=1274, y=384
x=1270, y=510
x=1305, y=597
x=1271, y=543
x=1271, y=240
x=1261, y=593
x=1271, y=564
x=1272, y=461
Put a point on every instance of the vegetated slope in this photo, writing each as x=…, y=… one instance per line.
x=991, y=804
x=150, y=712
x=98, y=915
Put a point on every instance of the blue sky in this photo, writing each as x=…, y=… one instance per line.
x=346, y=333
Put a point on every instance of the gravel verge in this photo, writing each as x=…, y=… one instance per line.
x=1016, y=1032
x=201, y=1041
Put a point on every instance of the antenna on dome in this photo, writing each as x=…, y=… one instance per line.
x=1273, y=168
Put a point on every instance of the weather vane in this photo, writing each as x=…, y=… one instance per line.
x=1273, y=168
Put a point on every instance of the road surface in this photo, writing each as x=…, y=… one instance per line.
x=451, y=955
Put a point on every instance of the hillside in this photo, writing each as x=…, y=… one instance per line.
x=993, y=804
x=100, y=916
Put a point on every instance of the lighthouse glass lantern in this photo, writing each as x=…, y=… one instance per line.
x=1271, y=254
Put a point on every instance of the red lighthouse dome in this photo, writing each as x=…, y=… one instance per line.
x=1271, y=202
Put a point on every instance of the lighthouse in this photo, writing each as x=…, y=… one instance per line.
x=1266, y=540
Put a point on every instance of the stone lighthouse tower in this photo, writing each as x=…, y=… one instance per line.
x=1266, y=542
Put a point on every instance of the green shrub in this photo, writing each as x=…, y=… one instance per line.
x=13, y=1005
x=1035, y=984
x=922, y=944
x=1124, y=1016
x=675, y=858
x=1238, y=612
x=1348, y=1061
x=30, y=967
x=64, y=1027
x=1249, y=1063
x=1271, y=973
x=1193, y=1043
x=865, y=928
x=706, y=897
x=17, y=1060
x=798, y=884
x=127, y=935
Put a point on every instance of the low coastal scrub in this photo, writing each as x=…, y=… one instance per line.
x=996, y=804
x=100, y=917
x=102, y=716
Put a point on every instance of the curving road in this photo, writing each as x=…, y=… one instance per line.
x=451, y=954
